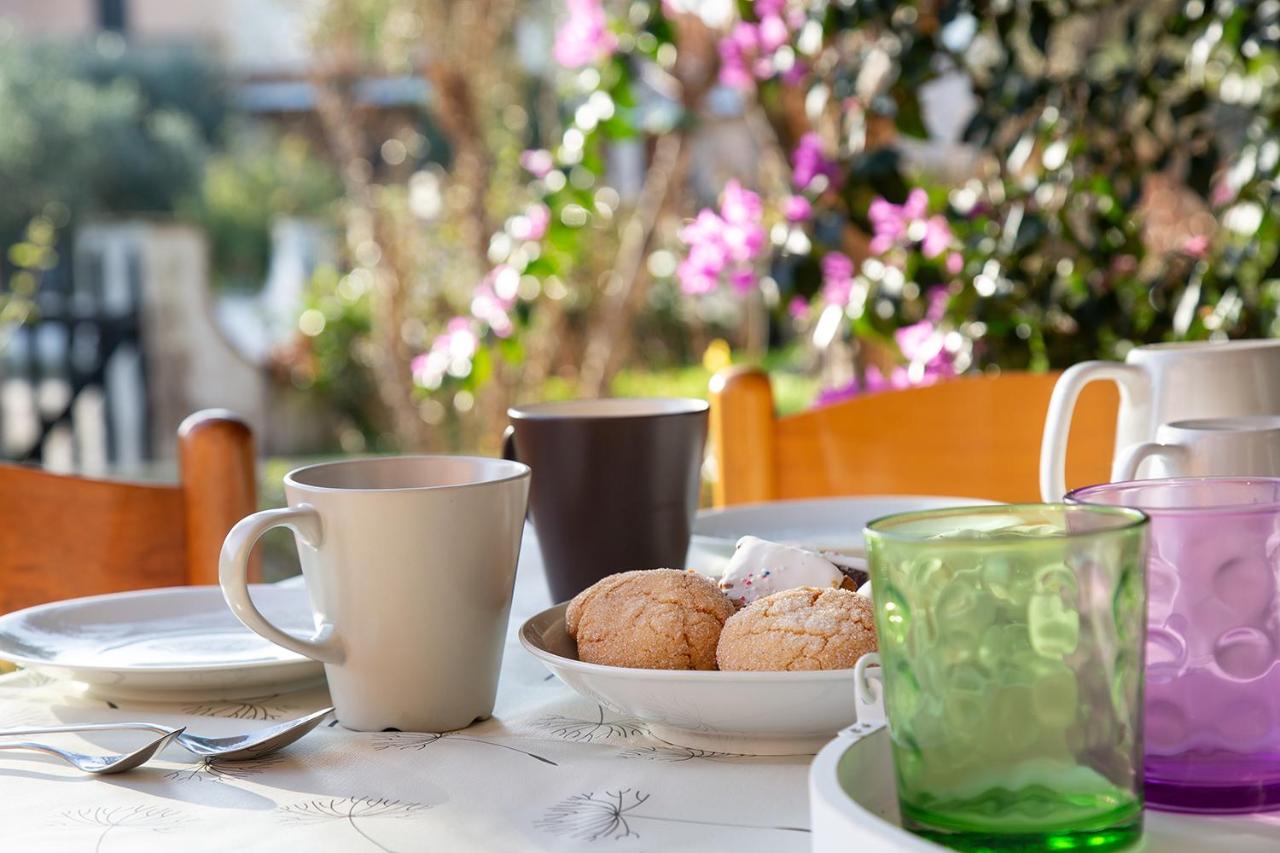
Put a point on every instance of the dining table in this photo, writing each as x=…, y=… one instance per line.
x=550, y=770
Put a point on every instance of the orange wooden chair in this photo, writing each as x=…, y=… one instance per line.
x=974, y=436
x=62, y=537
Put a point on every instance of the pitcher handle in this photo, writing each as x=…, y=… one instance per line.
x=1134, y=391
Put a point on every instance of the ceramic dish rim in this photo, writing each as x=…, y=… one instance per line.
x=707, y=676
x=44, y=663
x=713, y=513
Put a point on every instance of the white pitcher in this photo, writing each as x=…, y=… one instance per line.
x=1160, y=383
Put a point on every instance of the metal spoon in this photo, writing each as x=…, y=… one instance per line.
x=101, y=765
x=234, y=748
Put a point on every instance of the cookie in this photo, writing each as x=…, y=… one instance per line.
x=649, y=619
x=802, y=628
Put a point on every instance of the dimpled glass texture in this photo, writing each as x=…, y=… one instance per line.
x=1213, y=640
x=1011, y=648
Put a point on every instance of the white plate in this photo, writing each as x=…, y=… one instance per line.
x=176, y=643
x=853, y=805
x=750, y=713
x=826, y=523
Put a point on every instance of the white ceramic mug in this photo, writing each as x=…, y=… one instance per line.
x=409, y=562
x=1161, y=383
x=1208, y=447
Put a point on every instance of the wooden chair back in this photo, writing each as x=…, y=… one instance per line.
x=64, y=537
x=974, y=436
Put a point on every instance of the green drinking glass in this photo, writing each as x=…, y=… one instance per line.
x=1011, y=644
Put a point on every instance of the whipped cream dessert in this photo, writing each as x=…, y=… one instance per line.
x=759, y=568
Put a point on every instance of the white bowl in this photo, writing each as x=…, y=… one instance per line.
x=833, y=524
x=749, y=713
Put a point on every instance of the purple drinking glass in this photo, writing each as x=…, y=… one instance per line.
x=1212, y=710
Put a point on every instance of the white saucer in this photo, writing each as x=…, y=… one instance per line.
x=853, y=805
x=833, y=524
x=747, y=713
x=176, y=643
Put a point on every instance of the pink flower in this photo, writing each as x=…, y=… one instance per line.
x=955, y=263
x=765, y=8
x=911, y=339
x=703, y=230
x=808, y=161
x=724, y=244
x=537, y=162
x=584, y=39
x=734, y=73
x=1197, y=245
x=736, y=49
x=837, y=278
x=889, y=221
x=876, y=381
x=745, y=36
x=836, y=265
x=451, y=351
x=742, y=279
x=893, y=224
x=829, y=396
x=773, y=33
x=922, y=344
x=494, y=297
x=533, y=224
x=1222, y=193
x=937, y=236
x=938, y=297
x=793, y=75
x=694, y=279
x=739, y=205
x=797, y=209
x=797, y=307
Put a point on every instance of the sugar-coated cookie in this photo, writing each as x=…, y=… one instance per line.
x=649, y=619
x=801, y=628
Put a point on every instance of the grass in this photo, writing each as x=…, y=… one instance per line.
x=792, y=390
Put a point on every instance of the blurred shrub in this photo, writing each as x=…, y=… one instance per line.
x=102, y=128
x=256, y=179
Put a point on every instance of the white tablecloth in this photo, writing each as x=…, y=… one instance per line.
x=549, y=771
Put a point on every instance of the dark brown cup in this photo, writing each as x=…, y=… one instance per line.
x=615, y=483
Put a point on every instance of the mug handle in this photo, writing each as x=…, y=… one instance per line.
x=1134, y=390
x=869, y=697
x=509, y=443
x=233, y=571
x=1130, y=460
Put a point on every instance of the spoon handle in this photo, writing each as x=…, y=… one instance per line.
x=31, y=746
x=86, y=727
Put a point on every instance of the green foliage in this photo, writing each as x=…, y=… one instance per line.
x=246, y=188
x=101, y=129
x=33, y=255
x=1080, y=106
